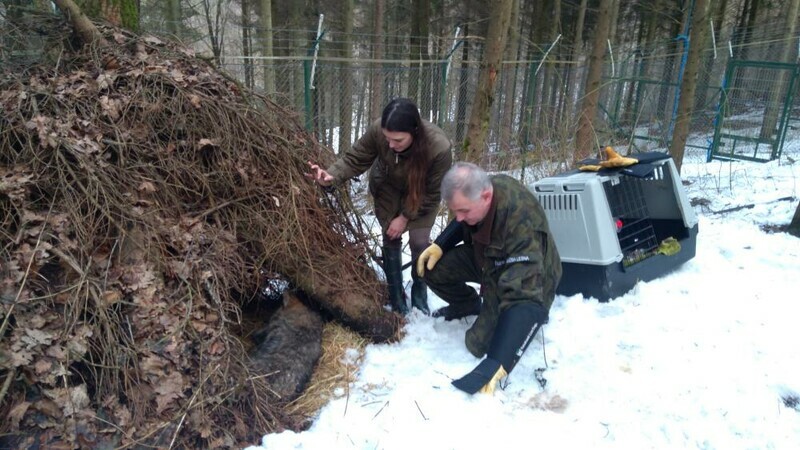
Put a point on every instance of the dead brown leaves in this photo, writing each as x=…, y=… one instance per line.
x=140, y=194
x=115, y=297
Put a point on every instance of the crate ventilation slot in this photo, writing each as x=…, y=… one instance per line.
x=559, y=202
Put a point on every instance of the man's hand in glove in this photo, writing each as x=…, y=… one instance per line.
x=428, y=258
x=613, y=159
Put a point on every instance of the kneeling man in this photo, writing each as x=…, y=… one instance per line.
x=506, y=246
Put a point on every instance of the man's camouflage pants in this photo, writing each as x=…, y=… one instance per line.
x=449, y=279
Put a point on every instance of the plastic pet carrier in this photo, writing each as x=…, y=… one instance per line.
x=615, y=227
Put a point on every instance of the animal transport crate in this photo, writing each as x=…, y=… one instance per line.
x=616, y=227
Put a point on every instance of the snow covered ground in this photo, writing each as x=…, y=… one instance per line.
x=705, y=357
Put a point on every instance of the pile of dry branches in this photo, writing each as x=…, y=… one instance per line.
x=142, y=194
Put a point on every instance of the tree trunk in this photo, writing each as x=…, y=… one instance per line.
x=548, y=18
x=174, y=17
x=395, y=45
x=647, y=31
x=538, y=35
x=769, y=128
x=360, y=111
x=752, y=17
x=794, y=225
x=627, y=116
x=441, y=47
x=346, y=76
x=585, y=141
x=577, y=45
x=632, y=30
x=740, y=30
x=8, y=42
x=418, y=86
x=247, y=44
x=697, y=43
x=613, y=21
x=376, y=80
x=552, y=82
x=300, y=45
x=718, y=17
x=666, y=94
x=510, y=83
x=122, y=13
x=215, y=26
x=525, y=114
x=747, y=22
x=265, y=33
x=84, y=27
x=478, y=126
x=461, y=103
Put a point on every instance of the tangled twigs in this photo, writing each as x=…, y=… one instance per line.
x=171, y=190
x=10, y=375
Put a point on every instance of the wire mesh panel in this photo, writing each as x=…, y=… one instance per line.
x=640, y=98
x=751, y=123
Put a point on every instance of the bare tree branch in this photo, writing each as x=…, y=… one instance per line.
x=84, y=27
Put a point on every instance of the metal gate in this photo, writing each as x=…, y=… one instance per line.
x=754, y=110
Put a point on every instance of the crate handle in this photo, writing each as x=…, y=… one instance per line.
x=574, y=187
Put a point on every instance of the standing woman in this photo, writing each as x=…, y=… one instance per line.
x=407, y=157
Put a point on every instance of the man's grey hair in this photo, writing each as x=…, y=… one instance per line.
x=466, y=178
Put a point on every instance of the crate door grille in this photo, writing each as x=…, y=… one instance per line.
x=637, y=238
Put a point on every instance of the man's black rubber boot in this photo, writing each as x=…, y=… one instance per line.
x=392, y=267
x=515, y=329
x=455, y=311
x=479, y=377
x=419, y=293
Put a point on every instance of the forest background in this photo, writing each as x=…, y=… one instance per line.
x=551, y=79
x=536, y=85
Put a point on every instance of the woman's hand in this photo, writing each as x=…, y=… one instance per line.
x=319, y=175
x=397, y=227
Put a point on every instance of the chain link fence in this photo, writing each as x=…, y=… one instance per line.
x=535, y=101
x=337, y=103
x=744, y=99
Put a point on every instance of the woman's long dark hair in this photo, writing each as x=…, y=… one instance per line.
x=401, y=114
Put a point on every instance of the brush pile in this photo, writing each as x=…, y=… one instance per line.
x=143, y=195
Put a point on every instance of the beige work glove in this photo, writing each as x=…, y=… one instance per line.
x=489, y=387
x=428, y=258
x=614, y=159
